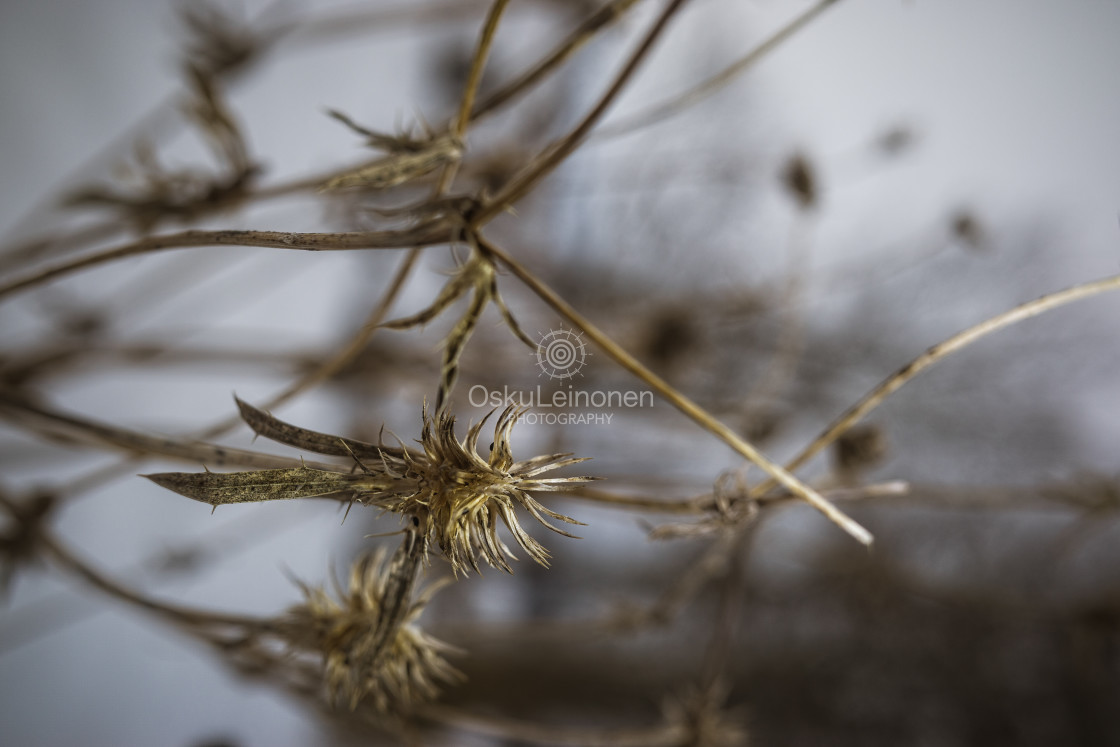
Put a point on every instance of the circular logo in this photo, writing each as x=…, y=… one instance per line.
x=561, y=353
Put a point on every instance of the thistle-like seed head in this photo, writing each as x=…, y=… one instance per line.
x=456, y=497
x=462, y=496
x=345, y=631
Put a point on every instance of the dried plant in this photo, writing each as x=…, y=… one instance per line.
x=184, y=195
x=408, y=159
x=366, y=652
x=747, y=631
x=455, y=496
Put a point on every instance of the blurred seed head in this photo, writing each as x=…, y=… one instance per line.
x=859, y=449
x=967, y=230
x=800, y=181
x=344, y=631
x=896, y=140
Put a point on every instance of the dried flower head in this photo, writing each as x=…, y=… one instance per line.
x=218, y=42
x=408, y=158
x=395, y=671
x=968, y=230
x=464, y=495
x=800, y=181
x=858, y=449
x=457, y=497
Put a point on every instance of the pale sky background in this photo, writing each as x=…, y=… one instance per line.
x=1015, y=105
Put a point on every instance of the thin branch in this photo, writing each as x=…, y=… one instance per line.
x=423, y=235
x=49, y=614
x=88, y=431
x=341, y=359
x=478, y=63
x=677, y=104
x=36, y=248
x=470, y=89
x=594, y=23
x=706, y=502
x=932, y=355
x=554, y=154
x=698, y=414
x=177, y=613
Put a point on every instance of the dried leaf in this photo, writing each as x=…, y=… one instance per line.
x=399, y=168
x=388, y=143
x=220, y=488
x=462, y=281
x=477, y=275
x=277, y=430
x=799, y=179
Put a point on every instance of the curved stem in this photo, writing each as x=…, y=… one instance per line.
x=485, y=41
x=932, y=355
x=312, y=242
x=574, y=41
x=177, y=613
x=683, y=101
x=553, y=155
x=694, y=411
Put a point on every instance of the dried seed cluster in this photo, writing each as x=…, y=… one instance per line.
x=458, y=497
x=364, y=654
x=464, y=495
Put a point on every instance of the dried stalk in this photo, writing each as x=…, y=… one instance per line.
x=932, y=355
x=666, y=109
x=698, y=415
x=554, y=154
x=308, y=242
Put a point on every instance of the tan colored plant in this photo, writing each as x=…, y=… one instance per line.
x=359, y=652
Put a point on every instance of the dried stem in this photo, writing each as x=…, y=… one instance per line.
x=478, y=63
x=698, y=414
x=343, y=357
x=310, y=242
x=932, y=355
x=178, y=614
x=592, y=25
x=470, y=89
x=554, y=154
x=693, y=96
x=706, y=503
x=84, y=430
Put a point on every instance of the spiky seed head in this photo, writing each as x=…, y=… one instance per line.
x=464, y=496
x=342, y=630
